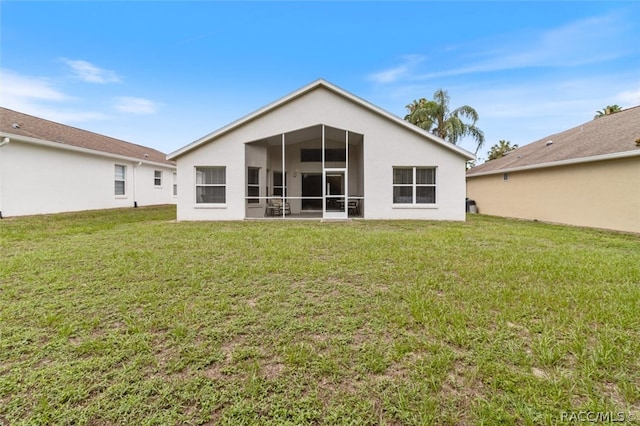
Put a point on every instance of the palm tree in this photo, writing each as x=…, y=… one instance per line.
x=500, y=149
x=434, y=116
x=609, y=109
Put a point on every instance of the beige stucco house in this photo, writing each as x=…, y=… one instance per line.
x=321, y=152
x=585, y=176
x=48, y=167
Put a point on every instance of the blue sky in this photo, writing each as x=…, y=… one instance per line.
x=163, y=74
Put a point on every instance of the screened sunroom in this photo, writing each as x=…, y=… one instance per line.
x=314, y=172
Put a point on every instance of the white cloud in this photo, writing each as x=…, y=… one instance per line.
x=577, y=43
x=34, y=95
x=90, y=73
x=393, y=74
x=629, y=98
x=388, y=76
x=588, y=41
x=139, y=106
x=17, y=89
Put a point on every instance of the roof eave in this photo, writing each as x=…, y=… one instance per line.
x=43, y=142
x=571, y=161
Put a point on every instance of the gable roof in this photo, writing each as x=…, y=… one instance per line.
x=38, y=130
x=320, y=83
x=607, y=137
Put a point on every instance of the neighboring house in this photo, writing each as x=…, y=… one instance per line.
x=321, y=152
x=47, y=167
x=585, y=176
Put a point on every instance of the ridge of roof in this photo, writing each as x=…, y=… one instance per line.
x=609, y=136
x=29, y=126
x=318, y=83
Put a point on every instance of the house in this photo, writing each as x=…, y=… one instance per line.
x=586, y=176
x=321, y=152
x=47, y=167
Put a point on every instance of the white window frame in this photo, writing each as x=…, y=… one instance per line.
x=282, y=187
x=414, y=186
x=254, y=186
x=157, y=178
x=120, y=178
x=204, y=185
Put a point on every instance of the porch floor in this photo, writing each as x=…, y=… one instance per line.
x=314, y=215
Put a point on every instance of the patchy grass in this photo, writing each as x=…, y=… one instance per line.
x=126, y=317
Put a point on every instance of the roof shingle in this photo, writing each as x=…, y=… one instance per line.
x=609, y=134
x=20, y=124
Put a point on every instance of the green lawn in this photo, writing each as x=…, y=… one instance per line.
x=127, y=317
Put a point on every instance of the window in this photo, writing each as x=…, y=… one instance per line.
x=157, y=177
x=211, y=185
x=253, y=184
x=120, y=179
x=330, y=155
x=505, y=176
x=414, y=185
x=175, y=184
x=279, y=186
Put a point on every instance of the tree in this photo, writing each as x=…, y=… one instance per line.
x=609, y=109
x=500, y=149
x=434, y=116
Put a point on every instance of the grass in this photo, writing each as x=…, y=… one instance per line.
x=126, y=317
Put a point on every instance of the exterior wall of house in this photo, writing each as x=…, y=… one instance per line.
x=386, y=144
x=38, y=179
x=228, y=152
x=256, y=156
x=389, y=147
x=601, y=194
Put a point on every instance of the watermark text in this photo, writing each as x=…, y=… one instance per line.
x=596, y=416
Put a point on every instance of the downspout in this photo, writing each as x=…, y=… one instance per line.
x=135, y=203
x=4, y=142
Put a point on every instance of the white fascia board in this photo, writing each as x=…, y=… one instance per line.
x=42, y=142
x=309, y=87
x=582, y=160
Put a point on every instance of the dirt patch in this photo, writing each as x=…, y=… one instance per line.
x=272, y=370
x=540, y=374
x=216, y=372
x=462, y=387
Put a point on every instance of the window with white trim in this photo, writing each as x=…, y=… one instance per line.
x=414, y=185
x=253, y=185
x=211, y=185
x=279, y=184
x=157, y=178
x=120, y=179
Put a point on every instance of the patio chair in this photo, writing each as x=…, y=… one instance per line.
x=274, y=208
x=353, y=207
